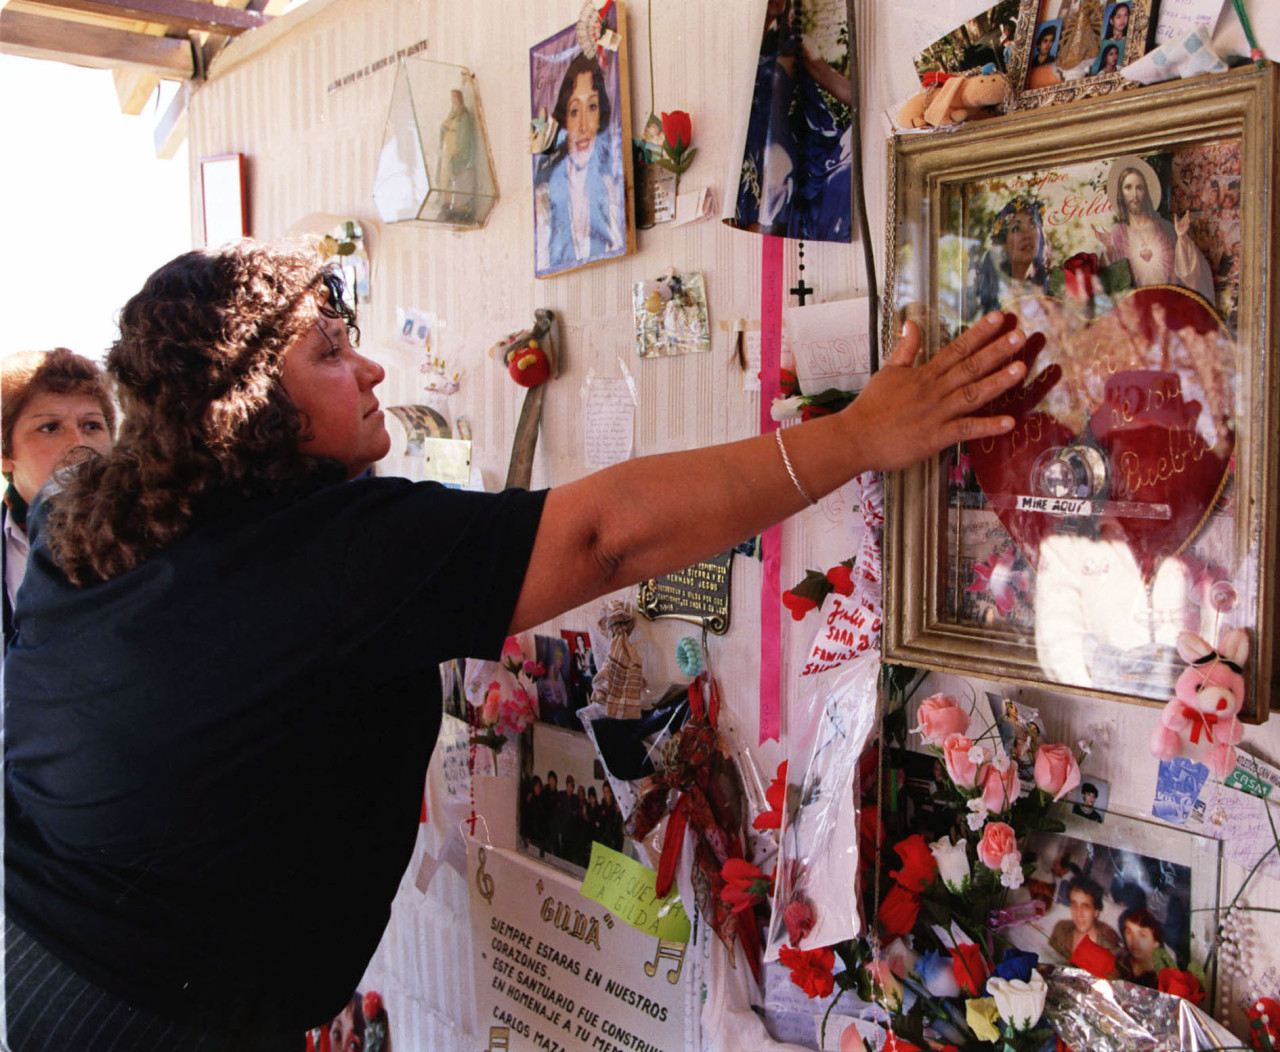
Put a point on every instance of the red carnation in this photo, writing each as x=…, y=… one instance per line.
x=799, y=605
x=810, y=969
x=841, y=578
x=744, y=884
x=776, y=797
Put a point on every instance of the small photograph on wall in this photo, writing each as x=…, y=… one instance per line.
x=984, y=40
x=553, y=684
x=1138, y=907
x=797, y=158
x=582, y=667
x=583, y=213
x=566, y=802
x=1089, y=800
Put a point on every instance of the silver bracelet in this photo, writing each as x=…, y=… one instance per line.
x=786, y=462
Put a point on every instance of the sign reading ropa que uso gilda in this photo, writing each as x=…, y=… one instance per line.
x=556, y=972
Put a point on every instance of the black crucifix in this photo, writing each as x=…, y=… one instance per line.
x=801, y=290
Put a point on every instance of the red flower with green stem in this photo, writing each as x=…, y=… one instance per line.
x=744, y=884
x=677, y=131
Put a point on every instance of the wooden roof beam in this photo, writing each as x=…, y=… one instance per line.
x=34, y=36
x=183, y=15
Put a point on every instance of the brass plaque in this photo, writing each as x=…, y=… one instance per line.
x=698, y=594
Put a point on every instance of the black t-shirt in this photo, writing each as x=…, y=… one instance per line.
x=215, y=762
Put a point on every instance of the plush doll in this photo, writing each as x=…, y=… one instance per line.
x=953, y=99
x=1208, y=697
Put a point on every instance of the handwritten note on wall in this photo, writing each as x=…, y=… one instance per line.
x=1180, y=17
x=831, y=343
x=610, y=422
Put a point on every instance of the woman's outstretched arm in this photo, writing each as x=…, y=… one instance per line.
x=656, y=514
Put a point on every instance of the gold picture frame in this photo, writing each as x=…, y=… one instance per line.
x=1062, y=59
x=984, y=572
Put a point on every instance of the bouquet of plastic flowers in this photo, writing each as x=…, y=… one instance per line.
x=937, y=958
x=502, y=695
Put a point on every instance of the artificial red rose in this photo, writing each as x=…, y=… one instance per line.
x=788, y=382
x=1079, y=273
x=919, y=867
x=799, y=605
x=776, y=797
x=1094, y=959
x=841, y=578
x=1181, y=984
x=940, y=716
x=970, y=968
x=371, y=1006
x=744, y=884
x=677, y=129
x=799, y=919
x=1057, y=772
x=810, y=969
x=998, y=840
x=898, y=911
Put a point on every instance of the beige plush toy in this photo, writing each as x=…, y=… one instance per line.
x=953, y=101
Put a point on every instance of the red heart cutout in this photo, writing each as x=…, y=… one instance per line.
x=1150, y=386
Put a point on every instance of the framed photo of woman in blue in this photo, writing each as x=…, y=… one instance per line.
x=1109, y=59
x=581, y=133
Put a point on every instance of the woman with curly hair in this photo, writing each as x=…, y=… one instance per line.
x=228, y=656
x=1017, y=262
x=54, y=402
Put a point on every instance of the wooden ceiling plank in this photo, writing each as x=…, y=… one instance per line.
x=133, y=90
x=34, y=36
x=184, y=15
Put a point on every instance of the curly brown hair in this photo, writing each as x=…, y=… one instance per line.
x=25, y=374
x=207, y=424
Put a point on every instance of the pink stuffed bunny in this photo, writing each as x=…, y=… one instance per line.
x=1206, y=702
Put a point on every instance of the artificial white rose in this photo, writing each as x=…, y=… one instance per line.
x=953, y=863
x=1020, y=1004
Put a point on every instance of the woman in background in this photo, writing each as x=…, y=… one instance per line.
x=1017, y=260
x=53, y=402
x=231, y=642
x=1117, y=23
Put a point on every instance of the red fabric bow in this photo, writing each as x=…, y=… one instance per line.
x=1200, y=721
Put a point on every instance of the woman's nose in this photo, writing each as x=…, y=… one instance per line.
x=372, y=373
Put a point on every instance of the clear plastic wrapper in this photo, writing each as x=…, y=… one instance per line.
x=1100, y=1015
x=816, y=893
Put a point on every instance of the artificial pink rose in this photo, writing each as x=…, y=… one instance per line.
x=997, y=841
x=492, y=703
x=940, y=715
x=1057, y=772
x=999, y=791
x=955, y=753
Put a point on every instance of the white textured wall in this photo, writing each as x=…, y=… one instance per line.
x=314, y=151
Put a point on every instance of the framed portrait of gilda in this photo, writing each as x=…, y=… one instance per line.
x=581, y=143
x=1074, y=49
x=1133, y=240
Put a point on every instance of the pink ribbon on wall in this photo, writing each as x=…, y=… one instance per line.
x=771, y=542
